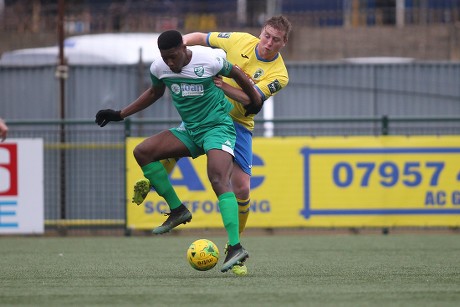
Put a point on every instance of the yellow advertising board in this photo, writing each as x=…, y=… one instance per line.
x=324, y=182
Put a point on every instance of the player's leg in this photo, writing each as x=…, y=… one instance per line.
x=219, y=172
x=241, y=183
x=142, y=186
x=147, y=154
x=219, y=168
x=169, y=164
x=241, y=176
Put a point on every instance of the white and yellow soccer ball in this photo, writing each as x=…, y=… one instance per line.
x=203, y=254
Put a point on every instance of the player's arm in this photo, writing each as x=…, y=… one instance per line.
x=146, y=99
x=103, y=117
x=255, y=103
x=234, y=92
x=195, y=38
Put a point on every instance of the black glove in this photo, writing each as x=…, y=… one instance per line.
x=252, y=108
x=103, y=117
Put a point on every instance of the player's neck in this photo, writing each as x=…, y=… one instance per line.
x=188, y=56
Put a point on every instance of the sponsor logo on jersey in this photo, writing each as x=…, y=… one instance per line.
x=244, y=56
x=192, y=89
x=199, y=71
x=259, y=72
x=223, y=35
x=274, y=87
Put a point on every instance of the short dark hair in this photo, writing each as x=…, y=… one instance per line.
x=169, y=39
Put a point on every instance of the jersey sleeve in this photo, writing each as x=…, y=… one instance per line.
x=272, y=84
x=224, y=40
x=153, y=76
x=226, y=67
x=220, y=66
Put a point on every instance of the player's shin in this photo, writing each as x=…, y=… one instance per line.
x=158, y=177
x=243, y=213
x=229, y=211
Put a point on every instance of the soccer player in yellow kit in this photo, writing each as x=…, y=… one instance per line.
x=260, y=59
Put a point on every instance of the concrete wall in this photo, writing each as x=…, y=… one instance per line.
x=436, y=42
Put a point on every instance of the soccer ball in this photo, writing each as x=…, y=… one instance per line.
x=203, y=254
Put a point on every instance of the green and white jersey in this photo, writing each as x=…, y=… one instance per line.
x=198, y=100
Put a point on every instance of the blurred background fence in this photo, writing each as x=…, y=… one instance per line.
x=85, y=165
x=85, y=176
x=315, y=90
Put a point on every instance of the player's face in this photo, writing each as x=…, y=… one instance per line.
x=175, y=58
x=271, y=41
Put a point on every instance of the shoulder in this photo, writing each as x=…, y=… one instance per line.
x=157, y=66
x=218, y=39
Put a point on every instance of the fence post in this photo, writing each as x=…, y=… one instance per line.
x=127, y=127
x=385, y=125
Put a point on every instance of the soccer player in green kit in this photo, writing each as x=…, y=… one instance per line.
x=260, y=58
x=207, y=129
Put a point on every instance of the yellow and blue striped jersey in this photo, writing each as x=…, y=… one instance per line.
x=269, y=76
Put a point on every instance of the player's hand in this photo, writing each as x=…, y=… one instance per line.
x=252, y=108
x=218, y=81
x=103, y=117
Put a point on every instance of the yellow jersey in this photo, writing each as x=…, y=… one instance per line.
x=269, y=77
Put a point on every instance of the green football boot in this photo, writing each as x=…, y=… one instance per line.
x=235, y=254
x=239, y=269
x=177, y=216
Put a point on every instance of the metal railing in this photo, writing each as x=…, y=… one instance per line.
x=85, y=177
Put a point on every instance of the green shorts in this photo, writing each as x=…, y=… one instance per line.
x=221, y=136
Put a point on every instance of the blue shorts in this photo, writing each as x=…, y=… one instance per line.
x=243, y=148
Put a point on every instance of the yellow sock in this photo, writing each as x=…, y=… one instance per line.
x=243, y=212
x=169, y=164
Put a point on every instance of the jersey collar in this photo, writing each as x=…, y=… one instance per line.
x=263, y=60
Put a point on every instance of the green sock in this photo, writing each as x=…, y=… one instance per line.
x=158, y=177
x=229, y=211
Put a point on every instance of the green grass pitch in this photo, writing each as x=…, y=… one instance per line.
x=284, y=270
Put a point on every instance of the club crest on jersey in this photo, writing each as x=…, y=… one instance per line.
x=274, y=87
x=223, y=35
x=175, y=88
x=199, y=71
x=259, y=72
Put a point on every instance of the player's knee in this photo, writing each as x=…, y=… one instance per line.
x=241, y=190
x=219, y=184
x=141, y=155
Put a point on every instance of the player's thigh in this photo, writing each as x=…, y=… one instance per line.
x=161, y=146
x=219, y=165
x=243, y=148
x=188, y=140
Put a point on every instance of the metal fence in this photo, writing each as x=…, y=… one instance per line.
x=315, y=90
x=85, y=170
x=85, y=165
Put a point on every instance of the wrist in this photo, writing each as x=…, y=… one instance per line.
x=120, y=114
